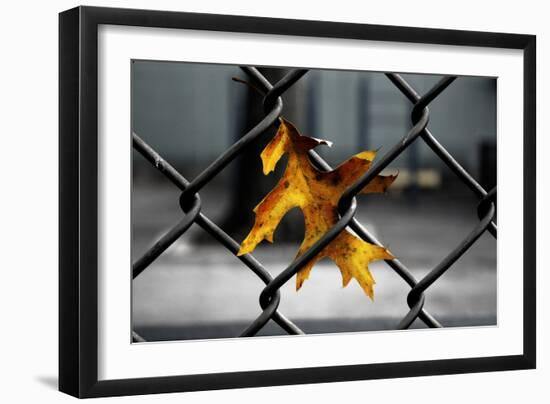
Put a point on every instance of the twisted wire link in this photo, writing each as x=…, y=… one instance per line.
x=395, y=264
x=204, y=222
x=273, y=112
x=191, y=205
x=438, y=149
x=269, y=300
x=347, y=204
x=486, y=210
x=168, y=239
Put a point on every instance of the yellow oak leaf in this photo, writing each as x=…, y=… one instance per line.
x=317, y=194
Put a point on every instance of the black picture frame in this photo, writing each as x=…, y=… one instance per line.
x=78, y=206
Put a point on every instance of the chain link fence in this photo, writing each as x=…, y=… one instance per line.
x=270, y=296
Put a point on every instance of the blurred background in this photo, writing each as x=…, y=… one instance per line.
x=190, y=113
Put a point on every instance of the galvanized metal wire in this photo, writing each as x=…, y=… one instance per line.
x=270, y=296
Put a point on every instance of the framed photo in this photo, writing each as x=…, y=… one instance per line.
x=252, y=201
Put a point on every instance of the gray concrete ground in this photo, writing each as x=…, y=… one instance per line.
x=202, y=291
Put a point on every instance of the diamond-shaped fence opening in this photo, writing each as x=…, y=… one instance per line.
x=270, y=297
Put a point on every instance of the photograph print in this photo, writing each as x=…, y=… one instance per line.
x=276, y=201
